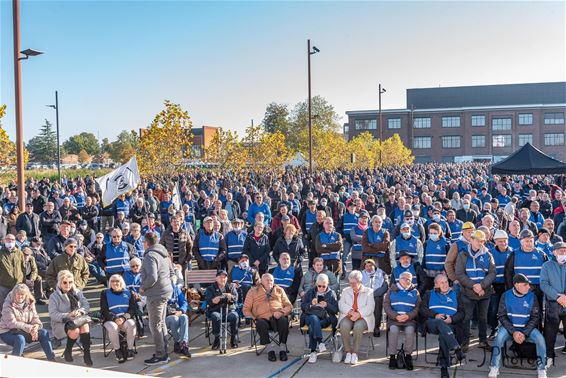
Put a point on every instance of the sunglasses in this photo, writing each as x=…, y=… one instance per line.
x=321, y=286
x=67, y=282
x=116, y=237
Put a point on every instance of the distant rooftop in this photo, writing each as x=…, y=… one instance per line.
x=487, y=95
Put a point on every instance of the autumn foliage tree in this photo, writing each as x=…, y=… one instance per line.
x=227, y=151
x=8, y=156
x=166, y=145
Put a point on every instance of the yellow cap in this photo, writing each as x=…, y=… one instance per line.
x=479, y=235
x=468, y=226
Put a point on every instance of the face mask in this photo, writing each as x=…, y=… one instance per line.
x=236, y=229
x=244, y=265
x=10, y=245
x=406, y=235
x=411, y=222
x=406, y=265
x=561, y=259
x=436, y=218
x=434, y=237
x=83, y=227
x=73, y=230
x=466, y=207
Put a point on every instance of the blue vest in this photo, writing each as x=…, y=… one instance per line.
x=409, y=245
x=399, y=269
x=503, y=200
x=462, y=246
x=284, y=278
x=477, y=268
x=329, y=239
x=415, y=230
x=435, y=254
x=118, y=304
x=455, y=229
x=546, y=248
x=164, y=210
x=519, y=308
x=357, y=247
x=235, y=244
x=209, y=245
x=243, y=277
x=403, y=301
x=349, y=221
x=530, y=264
x=133, y=281
x=310, y=219
x=117, y=258
x=123, y=206
x=81, y=200
x=445, y=304
x=375, y=237
x=499, y=259
x=138, y=245
x=387, y=225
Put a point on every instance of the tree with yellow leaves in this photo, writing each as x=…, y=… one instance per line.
x=166, y=145
x=330, y=150
x=8, y=156
x=227, y=151
x=364, y=147
x=274, y=152
x=395, y=152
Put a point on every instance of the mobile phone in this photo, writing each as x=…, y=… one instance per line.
x=320, y=298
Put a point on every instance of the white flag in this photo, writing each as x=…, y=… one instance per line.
x=121, y=180
x=176, y=197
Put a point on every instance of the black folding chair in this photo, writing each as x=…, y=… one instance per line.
x=107, y=345
x=273, y=337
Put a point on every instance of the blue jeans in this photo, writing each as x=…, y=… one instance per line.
x=315, y=330
x=503, y=336
x=96, y=271
x=347, y=247
x=179, y=326
x=18, y=342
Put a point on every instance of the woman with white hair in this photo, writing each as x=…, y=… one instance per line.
x=320, y=308
x=68, y=309
x=356, y=315
x=118, y=307
x=20, y=323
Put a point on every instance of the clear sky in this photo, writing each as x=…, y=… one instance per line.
x=114, y=63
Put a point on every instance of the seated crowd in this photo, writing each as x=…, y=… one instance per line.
x=418, y=252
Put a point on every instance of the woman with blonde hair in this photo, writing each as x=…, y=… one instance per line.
x=289, y=242
x=68, y=309
x=118, y=307
x=20, y=323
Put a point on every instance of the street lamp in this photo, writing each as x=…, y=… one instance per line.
x=381, y=91
x=56, y=107
x=309, y=53
x=18, y=100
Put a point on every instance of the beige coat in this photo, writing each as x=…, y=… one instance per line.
x=366, y=304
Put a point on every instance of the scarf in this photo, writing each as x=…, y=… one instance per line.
x=362, y=227
x=73, y=300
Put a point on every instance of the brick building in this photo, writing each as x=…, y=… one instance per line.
x=485, y=122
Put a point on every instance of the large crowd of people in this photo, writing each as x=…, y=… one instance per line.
x=442, y=249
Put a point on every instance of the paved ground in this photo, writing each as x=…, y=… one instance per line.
x=243, y=362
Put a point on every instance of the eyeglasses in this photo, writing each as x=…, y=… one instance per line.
x=321, y=286
x=67, y=282
x=116, y=236
x=72, y=246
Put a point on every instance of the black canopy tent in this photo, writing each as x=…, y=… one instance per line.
x=529, y=160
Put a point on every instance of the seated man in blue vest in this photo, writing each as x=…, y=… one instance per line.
x=178, y=322
x=209, y=248
x=287, y=276
x=518, y=315
x=328, y=245
x=443, y=312
x=116, y=254
x=223, y=295
x=401, y=304
x=405, y=264
x=235, y=242
x=243, y=276
x=527, y=260
x=405, y=241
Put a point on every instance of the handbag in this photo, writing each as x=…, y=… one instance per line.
x=318, y=311
x=338, y=353
x=78, y=322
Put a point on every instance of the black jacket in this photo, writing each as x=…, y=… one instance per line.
x=214, y=291
x=295, y=249
x=331, y=305
x=28, y=223
x=258, y=250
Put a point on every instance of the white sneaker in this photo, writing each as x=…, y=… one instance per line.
x=493, y=372
x=321, y=347
x=355, y=359
x=541, y=373
x=348, y=358
x=549, y=362
x=312, y=358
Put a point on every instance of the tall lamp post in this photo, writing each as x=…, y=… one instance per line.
x=309, y=53
x=18, y=100
x=381, y=91
x=56, y=107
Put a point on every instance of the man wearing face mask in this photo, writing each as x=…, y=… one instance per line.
x=438, y=219
x=12, y=266
x=87, y=232
x=243, y=276
x=417, y=229
x=552, y=279
x=406, y=242
x=337, y=208
x=466, y=213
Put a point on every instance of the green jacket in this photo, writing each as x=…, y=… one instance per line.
x=12, y=267
x=76, y=264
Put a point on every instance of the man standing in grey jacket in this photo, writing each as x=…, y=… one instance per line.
x=156, y=274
